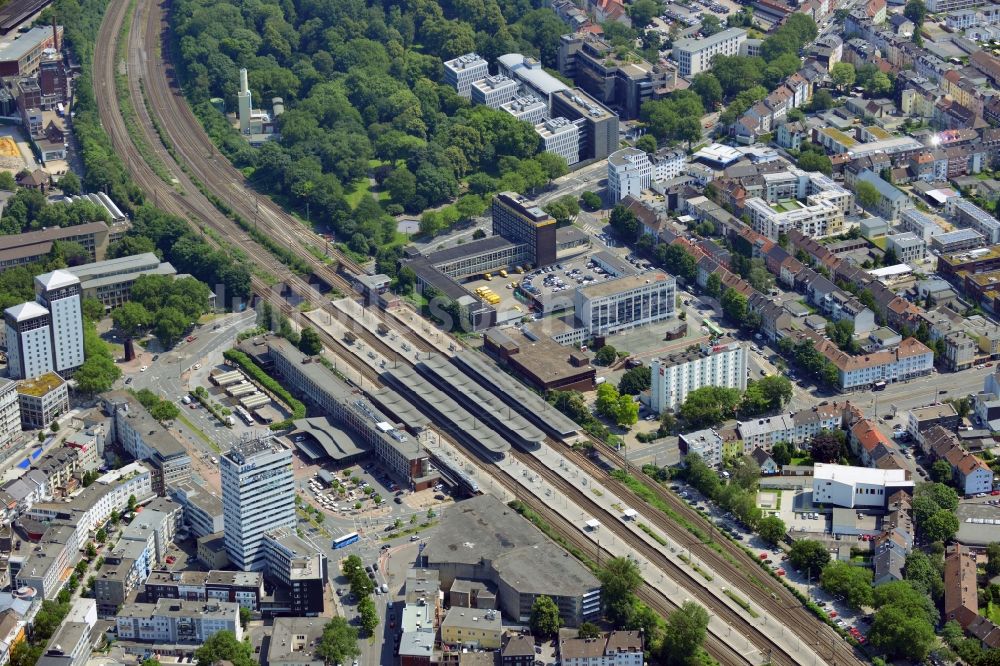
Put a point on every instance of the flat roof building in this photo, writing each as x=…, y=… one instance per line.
x=629, y=173
x=528, y=108
x=530, y=73
x=599, y=130
x=624, y=303
x=34, y=246
x=294, y=642
x=460, y=72
x=857, y=487
x=676, y=375
x=110, y=281
x=694, y=55
x=42, y=400
x=519, y=220
x=560, y=137
x=493, y=91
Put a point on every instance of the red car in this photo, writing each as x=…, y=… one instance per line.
x=171, y=559
x=995, y=492
x=763, y=556
x=190, y=338
x=833, y=613
x=780, y=572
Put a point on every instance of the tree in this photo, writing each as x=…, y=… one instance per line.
x=626, y=411
x=993, y=559
x=825, y=447
x=941, y=471
x=851, y=582
x=339, y=642
x=635, y=381
x=781, y=453
x=772, y=529
x=91, y=551
x=811, y=161
x=843, y=75
x=588, y=630
x=708, y=88
x=714, y=285
x=170, y=326
x=941, y=526
x=709, y=405
x=221, y=646
x=131, y=318
x=646, y=143
x=916, y=11
x=69, y=183
x=822, y=100
x=309, y=342
x=924, y=575
x=620, y=578
x=710, y=25
x=624, y=223
x=606, y=355
x=878, y=85
x=545, y=620
x=591, y=200
x=368, y=614
x=93, y=309
x=164, y=411
x=734, y=305
x=686, y=628
x=903, y=594
x=809, y=556
x=607, y=400
x=25, y=653
x=245, y=617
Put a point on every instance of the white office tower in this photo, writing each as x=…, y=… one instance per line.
x=245, y=103
x=460, y=72
x=29, y=340
x=60, y=292
x=258, y=495
x=629, y=172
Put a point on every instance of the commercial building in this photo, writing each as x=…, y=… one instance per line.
x=521, y=221
x=245, y=588
x=907, y=247
x=294, y=642
x=478, y=629
x=599, y=129
x=460, y=72
x=171, y=621
x=969, y=215
x=518, y=560
x=34, y=246
x=10, y=418
x=202, y=509
x=59, y=292
x=110, y=281
x=493, y=91
x=629, y=173
x=145, y=438
x=543, y=363
x=694, y=55
x=299, y=568
x=627, y=302
x=42, y=400
x=676, y=375
x=857, y=487
x=560, y=137
x=258, y=496
x=530, y=74
x=28, y=329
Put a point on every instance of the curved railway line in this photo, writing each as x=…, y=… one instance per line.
x=148, y=76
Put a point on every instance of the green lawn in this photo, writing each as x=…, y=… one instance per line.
x=361, y=189
x=801, y=460
x=992, y=611
x=786, y=205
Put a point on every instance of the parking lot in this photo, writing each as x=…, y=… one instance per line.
x=552, y=287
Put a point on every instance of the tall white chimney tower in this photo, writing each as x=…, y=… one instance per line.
x=245, y=104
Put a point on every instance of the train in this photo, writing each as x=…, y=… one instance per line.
x=465, y=482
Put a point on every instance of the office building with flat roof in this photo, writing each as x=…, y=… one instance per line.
x=907, y=246
x=599, y=130
x=676, y=375
x=528, y=108
x=494, y=91
x=29, y=340
x=202, y=508
x=298, y=566
x=258, y=496
x=110, y=281
x=531, y=75
x=460, y=72
x=694, y=55
x=34, y=246
x=519, y=220
x=624, y=303
x=42, y=400
x=560, y=137
x=629, y=173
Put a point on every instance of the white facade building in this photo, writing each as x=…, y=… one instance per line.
x=675, y=376
x=10, y=417
x=706, y=443
x=60, y=292
x=258, y=495
x=969, y=215
x=493, y=91
x=629, y=172
x=808, y=202
x=796, y=428
x=855, y=487
x=560, y=137
x=29, y=340
x=668, y=164
x=460, y=72
x=170, y=621
x=694, y=56
x=528, y=108
x=909, y=248
x=626, y=302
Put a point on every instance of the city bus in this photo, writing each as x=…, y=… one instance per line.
x=346, y=540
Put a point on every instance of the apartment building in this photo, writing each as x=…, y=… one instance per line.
x=961, y=586
x=144, y=438
x=461, y=72
x=694, y=55
x=857, y=487
x=258, y=496
x=472, y=628
x=28, y=329
x=891, y=201
x=629, y=173
x=60, y=293
x=627, y=302
x=674, y=376
x=202, y=509
x=907, y=246
x=10, y=418
x=970, y=216
x=911, y=359
x=173, y=621
x=795, y=428
x=616, y=648
x=706, y=443
x=245, y=588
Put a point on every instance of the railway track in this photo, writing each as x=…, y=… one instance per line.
x=147, y=76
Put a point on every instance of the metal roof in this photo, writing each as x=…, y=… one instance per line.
x=391, y=401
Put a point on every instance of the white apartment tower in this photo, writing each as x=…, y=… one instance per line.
x=10, y=416
x=258, y=496
x=629, y=172
x=463, y=70
x=29, y=340
x=60, y=292
x=674, y=376
x=245, y=102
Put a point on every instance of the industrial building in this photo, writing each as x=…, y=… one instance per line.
x=674, y=376
x=515, y=558
x=21, y=54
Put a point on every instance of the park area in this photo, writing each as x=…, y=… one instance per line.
x=786, y=205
